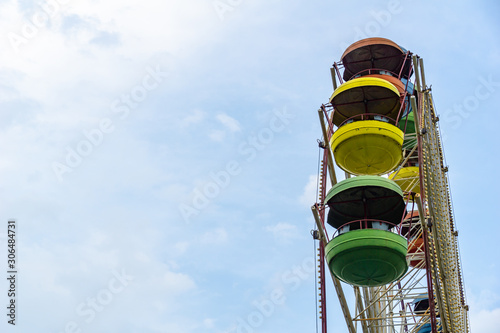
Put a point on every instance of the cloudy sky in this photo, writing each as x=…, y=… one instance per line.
x=160, y=156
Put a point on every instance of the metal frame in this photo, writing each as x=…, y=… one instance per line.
x=388, y=309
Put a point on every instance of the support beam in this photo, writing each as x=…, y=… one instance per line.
x=417, y=74
x=331, y=170
x=422, y=74
x=359, y=304
x=336, y=282
x=334, y=78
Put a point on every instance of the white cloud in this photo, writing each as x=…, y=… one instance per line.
x=173, y=283
x=195, y=117
x=217, y=135
x=209, y=323
x=485, y=321
x=73, y=80
x=214, y=237
x=181, y=247
x=308, y=197
x=484, y=311
x=283, y=231
x=229, y=122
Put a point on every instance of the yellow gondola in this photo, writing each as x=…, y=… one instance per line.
x=365, y=95
x=368, y=147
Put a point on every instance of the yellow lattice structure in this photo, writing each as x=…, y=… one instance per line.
x=443, y=249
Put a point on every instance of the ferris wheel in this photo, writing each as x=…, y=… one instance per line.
x=386, y=231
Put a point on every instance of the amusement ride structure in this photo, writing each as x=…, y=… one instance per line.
x=392, y=237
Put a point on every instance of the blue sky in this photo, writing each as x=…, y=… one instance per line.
x=116, y=115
